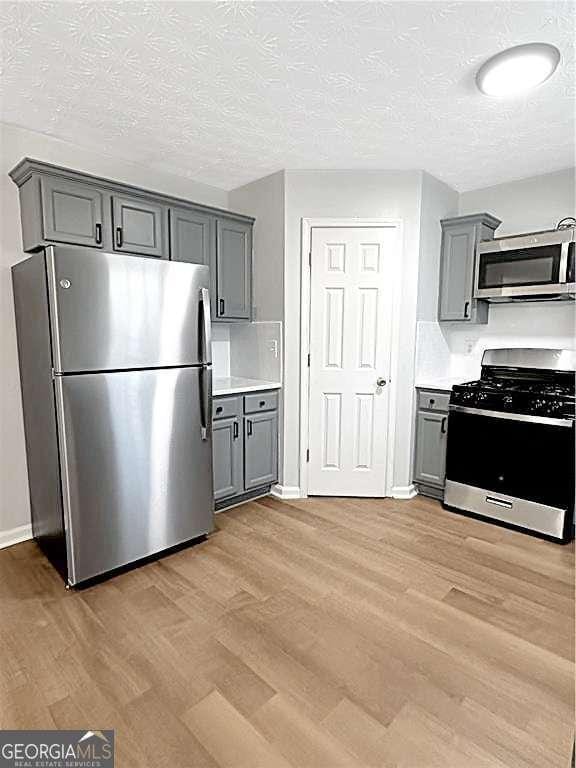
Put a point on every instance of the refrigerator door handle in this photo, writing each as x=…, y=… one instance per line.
x=206, y=326
x=205, y=400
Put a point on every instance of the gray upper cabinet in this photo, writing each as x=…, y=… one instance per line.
x=233, y=269
x=71, y=212
x=192, y=236
x=66, y=206
x=260, y=449
x=227, y=454
x=140, y=226
x=460, y=237
x=430, y=461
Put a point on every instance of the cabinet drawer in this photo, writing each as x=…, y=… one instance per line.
x=433, y=401
x=225, y=407
x=261, y=401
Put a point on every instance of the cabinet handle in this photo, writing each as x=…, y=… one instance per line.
x=249, y=428
x=98, y=235
x=466, y=308
x=221, y=305
x=443, y=426
x=262, y=403
x=119, y=237
x=235, y=431
x=219, y=409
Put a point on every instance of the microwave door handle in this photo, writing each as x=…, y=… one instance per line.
x=206, y=326
x=563, y=272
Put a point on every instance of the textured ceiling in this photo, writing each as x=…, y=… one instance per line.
x=228, y=92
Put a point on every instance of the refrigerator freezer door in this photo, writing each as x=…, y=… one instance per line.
x=136, y=473
x=118, y=312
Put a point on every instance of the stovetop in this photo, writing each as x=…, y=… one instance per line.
x=548, y=395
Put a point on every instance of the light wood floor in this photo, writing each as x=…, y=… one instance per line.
x=312, y=634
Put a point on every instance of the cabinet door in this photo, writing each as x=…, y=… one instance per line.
x=192, y=237
x=233, y=269
x=260, y=449
x=227, y=456
x=457, y=275
x=430, y=465
x=71, y=212
x=140, y=227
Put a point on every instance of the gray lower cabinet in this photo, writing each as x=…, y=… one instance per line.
x=233, y=269
x=260, y=449
x=192, y=236
x=140, y=226
x=71, y=212
x=431, y=437
x=245, y=446
x=460, y=236
x=227, y=449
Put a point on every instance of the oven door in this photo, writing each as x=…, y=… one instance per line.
x=513, y=468
x=524, y=267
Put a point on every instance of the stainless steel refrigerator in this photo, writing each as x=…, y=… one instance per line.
x=115, y=367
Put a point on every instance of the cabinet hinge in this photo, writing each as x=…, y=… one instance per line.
x=307, y=454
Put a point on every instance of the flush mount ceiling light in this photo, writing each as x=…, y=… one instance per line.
x=518, y=69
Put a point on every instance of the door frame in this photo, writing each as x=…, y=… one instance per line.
x=308, y=225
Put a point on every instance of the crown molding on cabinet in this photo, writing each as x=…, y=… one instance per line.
x=29, y=166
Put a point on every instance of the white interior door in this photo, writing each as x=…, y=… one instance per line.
x=350, y=338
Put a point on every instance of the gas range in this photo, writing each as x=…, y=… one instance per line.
x=511, y=442
x=513, y=390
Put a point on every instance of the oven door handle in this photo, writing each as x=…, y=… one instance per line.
x=555, y=422
x=499, y=502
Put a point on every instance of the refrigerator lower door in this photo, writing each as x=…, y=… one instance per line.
x=136, y=458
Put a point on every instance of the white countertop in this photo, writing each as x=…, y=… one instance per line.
x=445, y=384
x=232, y=385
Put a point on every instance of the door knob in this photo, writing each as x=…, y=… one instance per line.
x=380, y=382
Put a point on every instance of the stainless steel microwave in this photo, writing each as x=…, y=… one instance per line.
x=535, y=266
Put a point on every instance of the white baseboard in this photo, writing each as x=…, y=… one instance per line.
x=404, y=491
x=286, y=492
x=15, y=535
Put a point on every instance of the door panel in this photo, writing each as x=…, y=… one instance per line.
x=260, y=450
x=71, y=212
x=137, y=477
x=431, y=448
x=458, y=246
x=140, y=227
x=233, y=267
x=192, y=237
x=350, y=335
x=111, y=311
x=227, y=453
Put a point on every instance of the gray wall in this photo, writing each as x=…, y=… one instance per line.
x=525, y=205
x=438, y=201
x=264, y=199
x=16, y=143
x=362, y=194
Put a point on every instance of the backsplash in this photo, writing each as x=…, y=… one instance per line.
x=256, y=350
x=220, y=351
x=455, y=351
x=249, y=350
